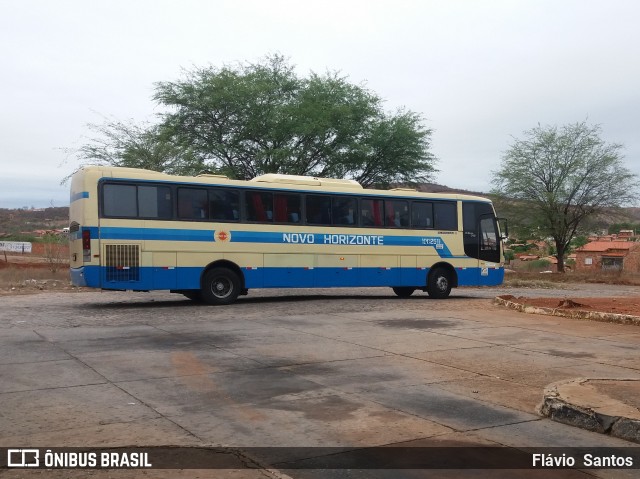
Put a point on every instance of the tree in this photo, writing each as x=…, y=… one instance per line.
x=55, y=251
x=118, y=143
x=579, y=241
x=626, y=225
x=261, y=118
x=559, y=177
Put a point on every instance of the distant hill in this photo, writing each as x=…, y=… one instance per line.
x=16, y=221
x=436, y=188
x=634, y=214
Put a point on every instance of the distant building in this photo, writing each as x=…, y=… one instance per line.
x=622, y=235
x=626, y=234
x=601, y=238
x=609, y=255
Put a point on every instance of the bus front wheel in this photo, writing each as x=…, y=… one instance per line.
x=403, y=291
x=439, y=283
x=220, y=286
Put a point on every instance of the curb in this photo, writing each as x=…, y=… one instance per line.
x=560, y=409
x=569, y=313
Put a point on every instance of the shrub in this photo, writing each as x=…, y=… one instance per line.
x=537, y=264
x=55, y=251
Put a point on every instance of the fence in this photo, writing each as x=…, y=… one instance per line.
x=15, y=247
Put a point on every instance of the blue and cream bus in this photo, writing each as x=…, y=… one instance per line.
x=212, y=238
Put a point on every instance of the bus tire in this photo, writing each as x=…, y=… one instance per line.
x=439, y=283
x=403, y=291
x=220, y=286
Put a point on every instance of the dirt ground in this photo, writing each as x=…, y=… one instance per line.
x=618, y=305
x=27, y=275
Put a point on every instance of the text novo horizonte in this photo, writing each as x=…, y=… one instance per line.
x=311, y=238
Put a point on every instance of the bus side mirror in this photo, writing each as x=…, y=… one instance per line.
x=504, y=228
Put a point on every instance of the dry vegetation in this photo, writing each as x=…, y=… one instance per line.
x=554, y=280
x=26, y=278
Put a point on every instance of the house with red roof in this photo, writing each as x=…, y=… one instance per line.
x=609, y=255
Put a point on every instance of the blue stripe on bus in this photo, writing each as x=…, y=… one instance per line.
x=239, y=236
x=152, y=278
x=346, y=239
x=157, y=234
x=78, y=196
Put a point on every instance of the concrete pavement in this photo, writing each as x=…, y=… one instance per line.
x=604, y=405
x=295, y=368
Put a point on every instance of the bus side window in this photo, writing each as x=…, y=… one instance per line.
x=224, y=205
x=422, y=215
x=371, y=212
x=154, y=202
x=366, y=215
x=119, y=201
x=192, y=204
x=397, y=213
x=318, y=210
x=343, y=210
x=445, y=217
x=259, y=206
x=287, y=208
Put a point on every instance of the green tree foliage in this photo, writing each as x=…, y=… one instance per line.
x=579, y=241
x=123, y=144
x=616, y=227
x=509, y=256
x=252, y=119
x=557, y=178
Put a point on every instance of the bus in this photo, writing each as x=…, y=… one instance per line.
x=212, y=238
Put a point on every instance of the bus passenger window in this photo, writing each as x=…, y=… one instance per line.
x=318, y=210
x=397, y=213
x=154, y=202
x=287, y=208
x=224, y=205
x=421, y=215
x=372, y=212
x=119, y=201
x=445, y=215
x=343, y=210
x=259, y=206
x=192, y=204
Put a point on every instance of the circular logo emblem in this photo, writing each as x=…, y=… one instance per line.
x=223, y=236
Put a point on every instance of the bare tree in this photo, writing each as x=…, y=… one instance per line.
x=560, y=177
x=55, y=253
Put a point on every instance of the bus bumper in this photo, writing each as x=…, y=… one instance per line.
x=86, y=276
x=77, y=277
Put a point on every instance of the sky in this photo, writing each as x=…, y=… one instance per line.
x=480, y=73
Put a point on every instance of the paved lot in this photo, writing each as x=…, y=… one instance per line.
x=297, y=368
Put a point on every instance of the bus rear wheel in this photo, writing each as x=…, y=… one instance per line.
x=439, y=283
x=403, y=291
x=220, y=286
